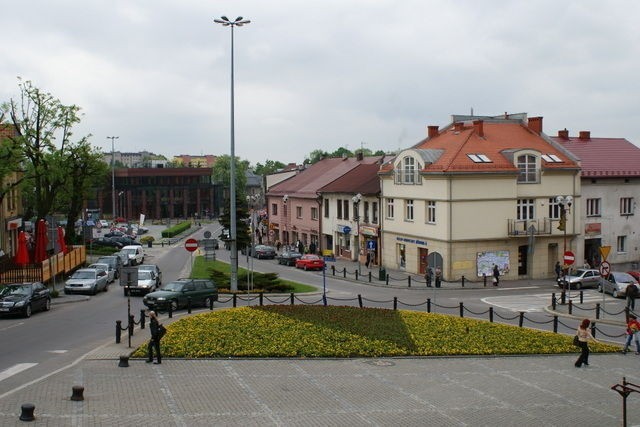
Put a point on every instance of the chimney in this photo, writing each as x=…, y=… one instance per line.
x=585, y=135
x=432, y=131
x=458, y=126
x=535, y=124
x=360, y=156
x=564, y=134
x=479, y=125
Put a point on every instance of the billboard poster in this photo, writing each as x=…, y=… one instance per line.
x=486, y=260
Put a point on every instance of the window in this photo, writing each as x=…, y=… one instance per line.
x=390, y=208
x=326, y=208
x=339, y=208
x=554, y=208
x=366, y=212
x=527, y=166
x=408, y=210
x=593, y=207
x=356, y=211
x=431, y=211
x=345, y=209
x=551, y=158
x=409, y=170
x=406, y=172
x=626, y=206
x=274, y=209
x=622, y=243
x=525, y=209
x=298, y=211
x=314, y=213
x=374, y=212
x=479, y=158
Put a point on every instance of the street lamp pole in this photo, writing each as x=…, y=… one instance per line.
x=239, y=21
x=113, y=177
x=356, y=211
x=565, y=203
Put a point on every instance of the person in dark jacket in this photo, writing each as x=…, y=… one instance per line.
x=154, y=328
x=496, y=275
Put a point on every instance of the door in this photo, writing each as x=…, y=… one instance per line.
x=422, y=260
x=522, y=260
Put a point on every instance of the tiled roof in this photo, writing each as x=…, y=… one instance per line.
x=362, y=179
x=604, y=157
x=497, y=141
x=306, y=183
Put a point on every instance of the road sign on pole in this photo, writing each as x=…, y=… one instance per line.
x=605, y=269
x=191, y=245
x=604, y=251
x=569, y=258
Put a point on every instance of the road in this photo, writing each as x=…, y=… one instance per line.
x=51, y=340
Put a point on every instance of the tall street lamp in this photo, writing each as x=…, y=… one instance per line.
x=113, y=177
x=565, y=203
x=356, y=215
x=239, y=21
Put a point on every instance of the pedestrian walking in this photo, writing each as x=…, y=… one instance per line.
x=154, y=343
x=278, y=245
x=312, y=248
x=496, y=275
x=438, y=276
x=632, y=293
x=633, y=328
x=558, y=270
x=584, y=335
x=368, y=262
x=428, y=276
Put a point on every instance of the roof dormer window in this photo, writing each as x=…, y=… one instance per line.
x=527, y=165
x=408, y=172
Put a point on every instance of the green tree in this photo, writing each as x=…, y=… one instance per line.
x=315, y=156
x=269, y=167
x=342, y=152
x=243, y=237
x=222, y=172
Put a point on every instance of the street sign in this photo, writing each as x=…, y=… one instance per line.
x=604, y=251
x=371, y=245
x=191, y=245
x=569, y=258
x=605, y=269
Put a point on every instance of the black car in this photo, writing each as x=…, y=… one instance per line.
x=177, y=293
x=260, y=251
x=126, y=240
x=106, y=241
x=24, y=298
x=289, y=258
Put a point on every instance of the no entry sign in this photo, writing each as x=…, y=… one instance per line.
x=569, y=258
x=191, y=245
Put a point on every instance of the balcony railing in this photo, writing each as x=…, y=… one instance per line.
x=530, y=226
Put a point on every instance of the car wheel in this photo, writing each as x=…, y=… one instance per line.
x=599, y=288
x=615, y=293
x=578, y=285
x=47, y=305
x=207, y=302
x=174, y=305
x=66, y=292
x=94, y=291
x=106, y=287
x=27, y=311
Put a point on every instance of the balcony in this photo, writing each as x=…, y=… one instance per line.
x=531, y=226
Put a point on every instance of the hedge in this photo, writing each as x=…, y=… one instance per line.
x=176, y=229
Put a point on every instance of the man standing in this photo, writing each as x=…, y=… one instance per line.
x=558, y=270
x=632, y=294
x=496, y=275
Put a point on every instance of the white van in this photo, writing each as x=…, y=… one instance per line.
x=134, y=253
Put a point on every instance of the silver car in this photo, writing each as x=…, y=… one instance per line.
x=146, y=283
x=616, y=284
x=86, y=280
x=110, y=272
x=582, y=278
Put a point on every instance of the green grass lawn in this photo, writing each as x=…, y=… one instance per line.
x=201, y=271
x=318, y=331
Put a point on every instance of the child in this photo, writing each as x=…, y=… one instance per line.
x=633, y=327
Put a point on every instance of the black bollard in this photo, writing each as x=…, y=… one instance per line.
x=124, y=362
x=261, y=298
x=118, y=331
x=409, y=280
x=484, y=279
x=170, y=310
x=77, y=393
x=395, y=303
x=189, y=305
x=27, y=412
x=291, y=297
x=463, y=281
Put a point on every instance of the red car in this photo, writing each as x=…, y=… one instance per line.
x=635, y=274
x=310, y=262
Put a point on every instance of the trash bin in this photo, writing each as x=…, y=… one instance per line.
x=150, y=243
x=382, y=274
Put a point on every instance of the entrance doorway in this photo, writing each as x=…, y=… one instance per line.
x=522, y=260
x=422, y=260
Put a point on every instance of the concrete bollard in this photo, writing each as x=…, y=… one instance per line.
x=26, y=412
x=77, y=393
x=124, y=362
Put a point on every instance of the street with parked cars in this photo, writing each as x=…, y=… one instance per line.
x=24, y=299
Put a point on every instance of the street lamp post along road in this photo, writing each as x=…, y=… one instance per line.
x=356, y=211
x=239, y=22
x=113, y=177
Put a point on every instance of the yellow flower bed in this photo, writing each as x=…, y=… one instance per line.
x=317, y=331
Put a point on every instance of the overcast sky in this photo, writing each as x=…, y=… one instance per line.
x=323, y=74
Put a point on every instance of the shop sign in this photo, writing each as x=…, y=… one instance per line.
x=593, y=228
x=414, y=241
x=14, y=224
x=368, y=231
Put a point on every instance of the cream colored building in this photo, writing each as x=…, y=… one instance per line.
x=479, y=192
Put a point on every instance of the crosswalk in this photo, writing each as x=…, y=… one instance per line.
x=538, y=302
x=15, y=369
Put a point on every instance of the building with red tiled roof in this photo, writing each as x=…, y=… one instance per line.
x=294, y=204
x=350, y=214
x=478, y=192
x=610, y=187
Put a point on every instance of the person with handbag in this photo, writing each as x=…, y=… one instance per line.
x=156, y=334
x=584, y=335
x=633, y=328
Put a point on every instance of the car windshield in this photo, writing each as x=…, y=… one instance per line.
x=173, y=287
x=84, y=275
x=580, y=272
x=129, y=251
x=15, y=290
x=109, y=261
x=623, y=278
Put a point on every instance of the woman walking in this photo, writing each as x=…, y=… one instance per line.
x=154, y=343
x=584, y=335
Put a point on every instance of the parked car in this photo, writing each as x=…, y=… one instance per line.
x=105, y=267
x=156, y=271
x=310, y=262
x=113, y=233
x=114, y=262
x=616, y=284
x=106, y=241
x=134, y=253
x=126, y=240
x=261, y=251
x=124, y=258
x=582, y=278
x=24, y=298
x=146, y=283
x=86, y=280
x=635, y=275
x=104, y=223
x=176, y=294
x=289, y=258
